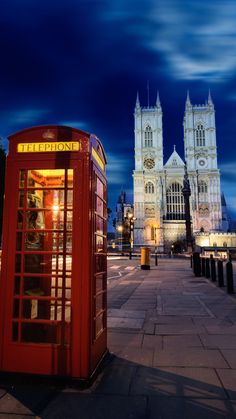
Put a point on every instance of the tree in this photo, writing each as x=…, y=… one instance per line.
x=2, y=185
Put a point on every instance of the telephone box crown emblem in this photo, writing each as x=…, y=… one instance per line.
x=48, y=135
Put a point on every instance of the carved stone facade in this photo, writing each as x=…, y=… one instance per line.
x=158, y=199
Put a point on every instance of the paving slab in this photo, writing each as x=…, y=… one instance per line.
x=230, y=357
x=218, y=341
x=206, y=321
x=130, y=314
x=178, y=329
x=190, y=357
x=228, y=379
x=124, y=323
x=72, y=405
x=140, y=356
x=221, y=330
x=173, y=319
x=125, y=339
x=149, y=328
x=116, y=379
x=152, y=341
x=179, y=382
x=182, y=408
x=181, y=341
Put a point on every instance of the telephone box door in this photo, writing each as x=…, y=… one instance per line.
x=40, y=270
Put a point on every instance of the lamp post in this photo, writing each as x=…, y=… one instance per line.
x=120, y=230
x=131, y=220
x=155, y=231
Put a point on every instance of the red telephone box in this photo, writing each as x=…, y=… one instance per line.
x=54, y=272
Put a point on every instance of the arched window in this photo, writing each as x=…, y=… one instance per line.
x=225, y=244
x=149, y=187
x=175, y=202
x=200, y=136
x=202, y=187
x=152, y=233
x=148, y=136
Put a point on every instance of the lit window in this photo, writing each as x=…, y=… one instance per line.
x=200, y=136
x=148, y=136
x=202, y=187
x=152, y=233
x=149, y=187
x=175, y=202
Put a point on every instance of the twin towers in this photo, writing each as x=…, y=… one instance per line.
x=158, y=198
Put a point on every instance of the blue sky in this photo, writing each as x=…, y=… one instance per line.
x=81, y=62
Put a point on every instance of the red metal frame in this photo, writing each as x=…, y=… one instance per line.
x=80, y=340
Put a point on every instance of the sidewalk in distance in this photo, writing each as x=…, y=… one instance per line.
x=172, y=339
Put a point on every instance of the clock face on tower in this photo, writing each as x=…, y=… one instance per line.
x=149, y=163
x=202, y=163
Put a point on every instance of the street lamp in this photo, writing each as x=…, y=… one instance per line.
x=120, y=230
x=155, y=231
x=131, y=220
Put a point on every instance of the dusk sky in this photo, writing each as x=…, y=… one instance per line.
x=81, y=62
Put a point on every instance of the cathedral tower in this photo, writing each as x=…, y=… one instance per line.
x=201, y=158
x=148, y=166
x=158, y=199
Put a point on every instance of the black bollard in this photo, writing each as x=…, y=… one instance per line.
x=191, y=261
x=156, y=260
x=220, y=272
x=203, y=260
x=130, y=254
x=229, y=278
x=196, y=264
x=213, y=269
x=207, y=274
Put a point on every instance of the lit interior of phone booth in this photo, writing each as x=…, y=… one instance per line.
x=54, y=272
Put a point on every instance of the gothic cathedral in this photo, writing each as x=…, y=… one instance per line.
x=158, y=199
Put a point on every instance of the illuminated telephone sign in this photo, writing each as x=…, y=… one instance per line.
x=54, y=254
x=48, y=147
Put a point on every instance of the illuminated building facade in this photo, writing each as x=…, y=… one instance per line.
x=158, y=199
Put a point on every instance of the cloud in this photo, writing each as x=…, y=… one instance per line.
x=197, y=40
x=74, y=124
x=229, y=169
x=228, y=178
x=26, y=116
x=118, y=168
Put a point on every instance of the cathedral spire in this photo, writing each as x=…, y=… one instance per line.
x=137, y=105
x=210, y=103
x=158, y=103
x=188, y=104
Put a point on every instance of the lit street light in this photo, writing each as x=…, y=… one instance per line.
x=120, y=230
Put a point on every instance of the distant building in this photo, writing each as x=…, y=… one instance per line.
x=158, y=199
x=124, y=213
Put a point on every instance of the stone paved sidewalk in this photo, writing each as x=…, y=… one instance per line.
x=172, y=339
